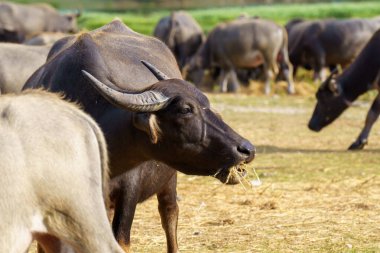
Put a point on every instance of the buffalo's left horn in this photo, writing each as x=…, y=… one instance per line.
x=158, y=74
x=147, y=101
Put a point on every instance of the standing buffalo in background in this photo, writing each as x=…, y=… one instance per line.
x=19, y=21
x=145, y=114
x=337, y=93
x=54, y=176
x=243, y=44
x=182, y=34
x=17, y=63
x=328, y=43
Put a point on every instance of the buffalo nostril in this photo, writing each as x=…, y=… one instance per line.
x=247, y=149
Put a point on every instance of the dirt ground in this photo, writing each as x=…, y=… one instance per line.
x=315, y=196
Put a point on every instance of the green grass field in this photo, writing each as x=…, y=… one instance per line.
x=144, y=22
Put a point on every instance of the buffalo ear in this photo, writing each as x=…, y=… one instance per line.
x=147, y=122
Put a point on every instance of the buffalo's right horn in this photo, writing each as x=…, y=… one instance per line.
x=329, y=78
x=158, y=74
x=147, y=101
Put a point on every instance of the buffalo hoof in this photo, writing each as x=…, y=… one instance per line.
x=267, y=90
x=358, y=145
x=291, y=90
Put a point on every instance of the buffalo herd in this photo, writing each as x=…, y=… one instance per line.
x=129, y=113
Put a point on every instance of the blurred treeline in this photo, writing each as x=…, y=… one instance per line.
x=151, y=5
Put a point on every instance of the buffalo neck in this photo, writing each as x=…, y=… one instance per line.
x=353, y=85
x=128, y=147
x=359, y=77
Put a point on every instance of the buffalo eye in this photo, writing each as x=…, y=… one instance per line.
x=185, y=109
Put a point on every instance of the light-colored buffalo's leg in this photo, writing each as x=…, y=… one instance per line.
x=83, y=223
x=90, y=234
x=270, y=70
x=268, y=75
x=168, y=208
x=288, y=71
x=223, y=80
x=372, y=116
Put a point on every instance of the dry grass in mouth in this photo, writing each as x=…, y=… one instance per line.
x=240, y=173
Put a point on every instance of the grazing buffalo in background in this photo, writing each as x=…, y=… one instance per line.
x=46, y=38
x=243, y=44
x=17, y=64
x=182, y=34
x=337, y=93
x=20, y=21
x=54, y=176
x=328, y=43
x=146, y=114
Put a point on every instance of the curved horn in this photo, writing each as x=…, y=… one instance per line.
x=328, y=79
x=147, y=101
x=158, y=74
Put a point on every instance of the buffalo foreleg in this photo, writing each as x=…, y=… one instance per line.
x=268, y=75
x=233, y=83
x=372, y=116
x=228, y=80
x=286, y=70
x=168, y=208
x=318, y=55
x=125, y=206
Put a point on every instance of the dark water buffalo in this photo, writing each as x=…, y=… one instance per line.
x=19, y=21
x=145, y=114
x=17, y=64
x=337, y=93
x=181, y=33
x=54, y=175
x=328, y=43
x=244, y=44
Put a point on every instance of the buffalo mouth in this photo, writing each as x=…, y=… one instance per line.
x=314, y=128
x=233, y=175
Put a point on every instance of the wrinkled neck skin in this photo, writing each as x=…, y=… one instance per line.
x=128, y=147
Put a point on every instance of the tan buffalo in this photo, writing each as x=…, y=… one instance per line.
x=17, y=64
x=53, y=165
